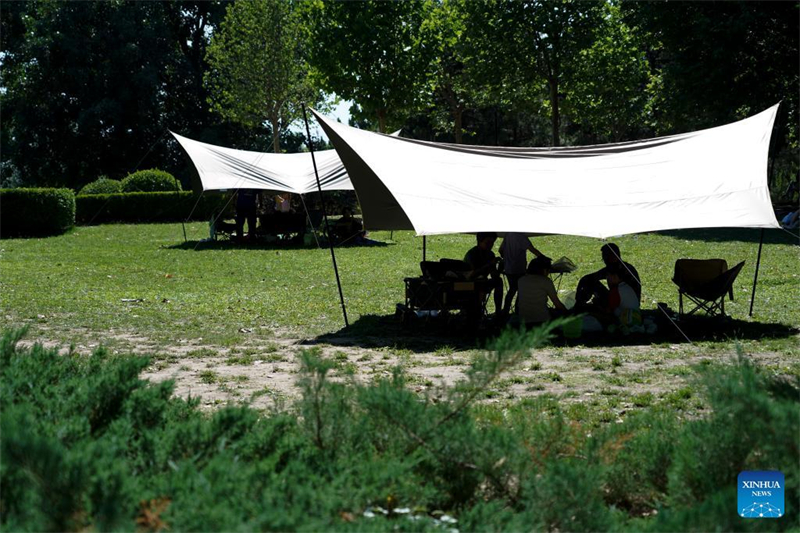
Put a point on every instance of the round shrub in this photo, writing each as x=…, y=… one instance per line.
x=152, y=180
x=102, y=185
x=36, y=212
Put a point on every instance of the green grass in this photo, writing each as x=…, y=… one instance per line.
x=140, y=288
x=73, y=287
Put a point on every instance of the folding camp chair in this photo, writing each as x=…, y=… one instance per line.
x=705, y=282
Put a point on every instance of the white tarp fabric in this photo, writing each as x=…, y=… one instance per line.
x=226, y=168
x=709, y=178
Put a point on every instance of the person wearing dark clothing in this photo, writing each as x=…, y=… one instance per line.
x=483, y=263
x=246, y=208
x=590, y=286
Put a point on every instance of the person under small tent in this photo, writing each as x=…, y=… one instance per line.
x=246, y=210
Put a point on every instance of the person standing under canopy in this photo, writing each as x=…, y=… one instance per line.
x=246, y=208
x=514, y=251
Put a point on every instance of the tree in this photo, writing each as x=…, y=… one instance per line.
x=520, y=46
x=370, y=52
x=257, y=69
x=448, y=78
x=90, y=88
x=721, y=61
x=609, y=86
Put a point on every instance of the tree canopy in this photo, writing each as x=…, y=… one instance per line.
x=90, y=88
x=257, y=68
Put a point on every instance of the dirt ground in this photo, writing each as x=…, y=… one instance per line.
x=574, y=374
x=263, y=371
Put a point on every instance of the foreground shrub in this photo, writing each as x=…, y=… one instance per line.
x=102, y=185
x=87, y=445
x=36, y=212
x=147, y=207
x=152, y=180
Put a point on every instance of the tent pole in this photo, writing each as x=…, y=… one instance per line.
x=424, y=243
x=183, y=223
x=325, y=215
x=755, y=277
x=308, y=217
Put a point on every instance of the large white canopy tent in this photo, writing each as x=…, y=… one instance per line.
x=709, y=178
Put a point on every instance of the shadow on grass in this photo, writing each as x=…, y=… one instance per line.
x=696, y=328
x=387, y=331
x=771, y=236
x=374, y=331
x=197, y=246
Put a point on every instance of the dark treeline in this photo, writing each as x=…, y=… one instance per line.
x=91, y=88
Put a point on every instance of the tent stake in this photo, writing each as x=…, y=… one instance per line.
x=755, y=278
x=325, y=215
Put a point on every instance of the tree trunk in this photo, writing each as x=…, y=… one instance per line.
x=457, y=133
x=276, y=135
x=382, y=120
x=553, y=82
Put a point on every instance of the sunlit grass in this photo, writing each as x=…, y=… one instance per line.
x=141, y=284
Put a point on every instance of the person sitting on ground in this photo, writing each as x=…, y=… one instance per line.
x=246, y=208
x=535, y=288
x=514, y=250
x=590, y=286
x=483, y=264
x=622, y=306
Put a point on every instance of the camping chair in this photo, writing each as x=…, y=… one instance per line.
x=705, y=282
x=443, y=287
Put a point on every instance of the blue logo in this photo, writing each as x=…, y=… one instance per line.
x=761, y=494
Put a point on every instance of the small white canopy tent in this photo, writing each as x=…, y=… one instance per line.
x=223, y=168
x=709, y=178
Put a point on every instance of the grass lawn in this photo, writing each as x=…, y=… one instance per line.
x=228, y=321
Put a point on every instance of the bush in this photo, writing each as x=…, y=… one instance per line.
x=36, y=212
x=87, y=445
x=152, y=180
x=102, y=185
x=147, y=207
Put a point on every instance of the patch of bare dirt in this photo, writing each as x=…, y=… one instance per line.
x=263, y=371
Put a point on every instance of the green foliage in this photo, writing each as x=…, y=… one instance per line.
x=36, y=212
x=447, y=76
x=152, y=180
x=90, y=87
x=257, y=66
x=531, y=61
x=84, y=81
x=102, y=185
x=370, y=52
x=88, y=445
x=147, y=207
x=609, y=86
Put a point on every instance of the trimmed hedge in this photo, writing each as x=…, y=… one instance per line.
x=102, y=185
x=147, y=207
x=36, y=212
x=152, y=180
